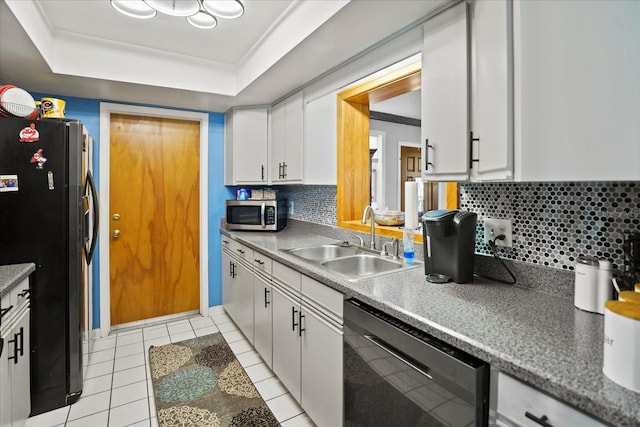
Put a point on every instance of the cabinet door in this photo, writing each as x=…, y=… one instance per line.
x=322, y=385
x=320, y=138
x=228, y=273
x=278, y=143
x=5, y=380
x=20, y=383
x=250, y=146
x=577, y=91
x=294, y=137
x=492, y=89
x=262, y=318
x=445, y=123
x=286, y=342
x=243, y=292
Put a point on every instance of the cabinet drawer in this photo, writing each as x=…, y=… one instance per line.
x=262, y=263
x=286, y=275
x=241, y=251
x=516, y=400
x=320, y=294
x=15, y=295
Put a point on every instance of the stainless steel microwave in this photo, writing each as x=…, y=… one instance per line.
x=257, y=215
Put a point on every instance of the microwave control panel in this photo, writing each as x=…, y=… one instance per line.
x=270, y=214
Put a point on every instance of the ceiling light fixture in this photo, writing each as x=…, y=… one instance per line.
x=199, y=13
x=227, y=9
x=134, y=8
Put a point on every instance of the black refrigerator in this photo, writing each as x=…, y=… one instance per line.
x=48, y=209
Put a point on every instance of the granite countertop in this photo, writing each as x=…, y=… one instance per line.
x=11, y=275
x=538, y=338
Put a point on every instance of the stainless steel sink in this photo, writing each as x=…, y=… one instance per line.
x=323, y=252
x=362, y=265
x=352, y=262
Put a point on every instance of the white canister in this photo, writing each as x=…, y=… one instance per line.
x=622, y=343
x=586, y=284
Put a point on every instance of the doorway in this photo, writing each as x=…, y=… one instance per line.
x=153, y=118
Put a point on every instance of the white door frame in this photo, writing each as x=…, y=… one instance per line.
x=380, y=136
x=106, y=109
x=400, y=145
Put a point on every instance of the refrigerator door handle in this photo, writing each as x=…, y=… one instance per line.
x=90, y=183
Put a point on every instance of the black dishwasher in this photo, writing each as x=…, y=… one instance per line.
x=397, y=375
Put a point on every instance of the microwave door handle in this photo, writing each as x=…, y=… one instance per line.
x=262, y=221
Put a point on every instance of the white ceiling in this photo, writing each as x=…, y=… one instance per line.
x=87, y=49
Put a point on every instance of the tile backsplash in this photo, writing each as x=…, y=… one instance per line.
x=554, y=223
x=312, y=203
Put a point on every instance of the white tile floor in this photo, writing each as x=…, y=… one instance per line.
x=118, y=391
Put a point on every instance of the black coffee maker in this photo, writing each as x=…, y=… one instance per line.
x=631, y=269
x=449, y=245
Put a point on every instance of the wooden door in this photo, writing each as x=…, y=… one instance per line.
x=154, y=217
x=409, y=168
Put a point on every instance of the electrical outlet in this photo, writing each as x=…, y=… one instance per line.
x=290, y=207
x=494, y=227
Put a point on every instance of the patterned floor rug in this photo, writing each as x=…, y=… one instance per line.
x=199, y=382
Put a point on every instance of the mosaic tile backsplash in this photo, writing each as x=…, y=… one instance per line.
x=313, y=203
x=554, y=223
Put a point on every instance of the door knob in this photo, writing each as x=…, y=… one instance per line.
x=116, y=217
x=116, y=234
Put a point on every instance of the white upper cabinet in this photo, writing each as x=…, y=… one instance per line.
x=287, y=138
x=320, y=139
x=445, y=121
x=491, y=90
x=577, y=90
x=246, y=146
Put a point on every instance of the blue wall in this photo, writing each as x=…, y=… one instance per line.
x=88, y=111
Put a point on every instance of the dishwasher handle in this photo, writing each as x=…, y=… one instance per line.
x=376, y=341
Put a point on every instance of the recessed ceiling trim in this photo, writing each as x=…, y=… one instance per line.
x=123, y=62
x=301, y=20
x=33, y=20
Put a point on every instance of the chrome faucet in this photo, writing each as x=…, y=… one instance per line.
x=368, y=209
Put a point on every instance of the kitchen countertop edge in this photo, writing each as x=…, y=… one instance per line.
x=11, y=275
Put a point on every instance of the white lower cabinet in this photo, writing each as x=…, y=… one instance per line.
x=262, y=326
x=286, y=342
x=296, y=327
x=321, y=355
x=15, y=388
x=522, y=405
x=237, y=285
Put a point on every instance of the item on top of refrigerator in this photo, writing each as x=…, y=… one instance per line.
x=16, y=102
x=52, y=108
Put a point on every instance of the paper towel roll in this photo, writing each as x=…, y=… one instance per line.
x=411, y=204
